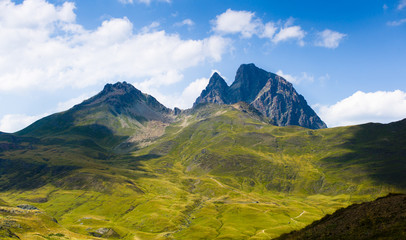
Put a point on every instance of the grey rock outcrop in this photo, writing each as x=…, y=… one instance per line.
x=215, y=92
x=269, y=93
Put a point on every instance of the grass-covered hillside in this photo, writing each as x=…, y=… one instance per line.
x=383, y=218
x=212, y=172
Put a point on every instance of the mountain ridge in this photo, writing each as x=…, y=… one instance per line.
x=215, y=171
x=269, y=93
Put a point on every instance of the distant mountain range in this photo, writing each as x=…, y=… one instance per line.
x=271, y=94
x=121, y=165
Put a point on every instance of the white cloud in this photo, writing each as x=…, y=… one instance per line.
x=126, y=1
x=182, y=100
x=186, y=22
x=233, y=22
x=63, y=106
x=42, y=47
x=288, y=33
x=364, y=107
x=402, y=4
x=288, y=77
x=397, y=23
x=193, y=90
x=247, y=25
x=304, y=77
x=329, y=38
x=269, y=30
x=14, y=122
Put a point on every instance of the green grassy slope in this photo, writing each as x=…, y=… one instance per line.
x=218, y=172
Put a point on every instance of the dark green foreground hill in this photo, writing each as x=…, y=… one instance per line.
x=103, y=170
x=384, y=218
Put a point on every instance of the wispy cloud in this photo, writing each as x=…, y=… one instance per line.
x=402, y=4
x=396, y=23
x=303, y=77
x=329, y=38
x=186, y=22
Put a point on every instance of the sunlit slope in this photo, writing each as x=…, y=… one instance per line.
x=242, y=148
x=218, y=172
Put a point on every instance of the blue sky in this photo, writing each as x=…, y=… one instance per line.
x=347, y=58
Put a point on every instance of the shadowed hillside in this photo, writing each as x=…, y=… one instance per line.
x=384, y=218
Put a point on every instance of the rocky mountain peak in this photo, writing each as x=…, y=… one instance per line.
x=119, y=87
x=215, y=92
x=279, y=101
x=269, y=93
x=216, y=81
x=249, y=80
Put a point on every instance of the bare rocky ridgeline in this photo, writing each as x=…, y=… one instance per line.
x=269, y=93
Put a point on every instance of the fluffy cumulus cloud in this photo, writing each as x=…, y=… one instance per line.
x=42, y=46
x=329, y=38
x=288, y=33
x=242, y=22
x=246, y=24
x=183, y=100
x=364, y=107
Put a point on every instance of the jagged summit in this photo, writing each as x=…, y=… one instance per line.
x=269, y=93
x=249, y=80
x=215, y=92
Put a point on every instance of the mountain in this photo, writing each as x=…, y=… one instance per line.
x=248, y=82
x=215, y=92
x=384, y=218
x=103, y=169
x=269, y=93
x=279, y=101
x=118, y=112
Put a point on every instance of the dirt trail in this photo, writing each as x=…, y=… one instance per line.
x=298, y=216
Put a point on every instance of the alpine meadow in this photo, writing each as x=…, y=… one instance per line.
x=109, y=130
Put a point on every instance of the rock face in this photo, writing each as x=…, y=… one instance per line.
x=104, y=233
x=269, y=93
x=279, y=101
x=248, y=82
x=215, y=92
x=27, y=207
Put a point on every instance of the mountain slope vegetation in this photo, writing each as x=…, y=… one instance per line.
x=210, y=172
